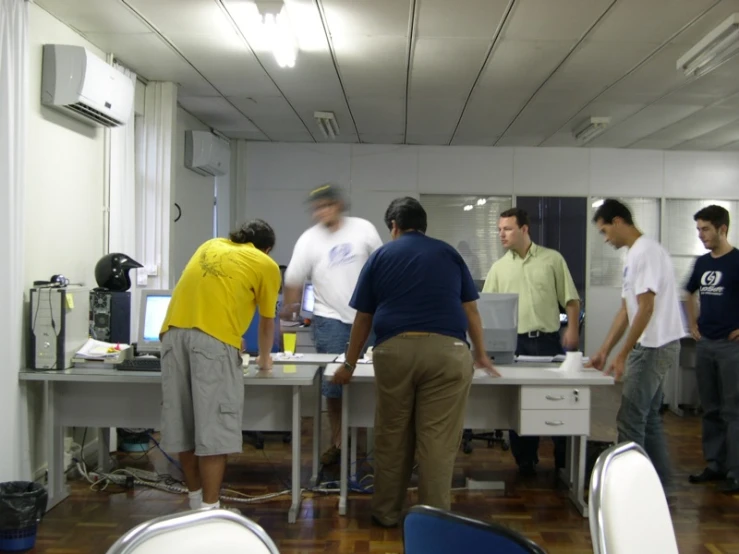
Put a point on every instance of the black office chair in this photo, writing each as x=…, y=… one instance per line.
x=492, y=437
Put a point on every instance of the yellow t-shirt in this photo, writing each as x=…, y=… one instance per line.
x=542, y=281
x=220, y=289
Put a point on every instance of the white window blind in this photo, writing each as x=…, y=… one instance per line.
x=470, y=224
x=606, y=263
x=681, y=238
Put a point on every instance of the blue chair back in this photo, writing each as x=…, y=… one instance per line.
x=428, y=530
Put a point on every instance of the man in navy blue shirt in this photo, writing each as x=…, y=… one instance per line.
x=419, y=295
x=716, y=279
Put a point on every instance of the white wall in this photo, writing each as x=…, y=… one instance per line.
x=194, y=194
x=63, y=194
x=274, y=179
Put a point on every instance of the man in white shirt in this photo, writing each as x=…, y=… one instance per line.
x=331, y=255
x=650, y=308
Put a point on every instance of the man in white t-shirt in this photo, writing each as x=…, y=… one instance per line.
x=331, y=255
x=650, y=308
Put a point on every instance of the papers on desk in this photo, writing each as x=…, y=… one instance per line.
x=99, y=350
x=559, y=358
x=341, y=358
x=286, y=356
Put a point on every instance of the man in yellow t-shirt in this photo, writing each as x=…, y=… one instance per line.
x=223, y=284
x=543, y=282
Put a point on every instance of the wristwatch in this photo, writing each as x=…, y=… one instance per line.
x=349, y=367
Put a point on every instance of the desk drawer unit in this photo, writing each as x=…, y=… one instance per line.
x=555, y=398
x=555, y=422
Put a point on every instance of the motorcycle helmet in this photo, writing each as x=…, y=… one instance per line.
x=111, y=272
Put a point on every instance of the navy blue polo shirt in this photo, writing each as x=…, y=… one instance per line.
x=415, y=283
x=717, y=283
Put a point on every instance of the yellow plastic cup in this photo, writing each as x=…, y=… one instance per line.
x=289, y=341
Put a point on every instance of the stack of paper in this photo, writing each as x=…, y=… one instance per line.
x=99, y=350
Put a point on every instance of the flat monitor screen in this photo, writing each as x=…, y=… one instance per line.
x=309, y=299
x=156, y=311
x=153, y=310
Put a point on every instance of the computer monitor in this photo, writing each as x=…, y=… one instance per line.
x=309, y=299
x=499, y=313
x=152, y=311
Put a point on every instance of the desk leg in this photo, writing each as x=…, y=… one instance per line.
x=353, y=469
x=104, y=449
x=343, y=485
x=316, y=433
x=577, y=489
x=292, y=515
x=57, y=488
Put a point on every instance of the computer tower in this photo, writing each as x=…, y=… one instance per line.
x=110, y=316
x=59, y=325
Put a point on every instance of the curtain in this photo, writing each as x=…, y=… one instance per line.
x=154, y=188
x=122, y=235
x=13, y=106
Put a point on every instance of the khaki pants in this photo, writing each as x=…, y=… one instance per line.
x=422, y=381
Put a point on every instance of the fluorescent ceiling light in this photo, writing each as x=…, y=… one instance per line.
x=468, y=207
x=481, y=201
x=590, y=129
x=268, y=28
x=327, y=124
x=598, y=203
x=713, y=49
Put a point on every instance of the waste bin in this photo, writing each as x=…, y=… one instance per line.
x=22, y=505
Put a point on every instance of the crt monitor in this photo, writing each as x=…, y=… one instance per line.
x=152, y=311
x=499, y=313
x=309, y=299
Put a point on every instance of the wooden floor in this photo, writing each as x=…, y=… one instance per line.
x=89, y=522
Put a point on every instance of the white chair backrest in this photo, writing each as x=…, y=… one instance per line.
x=196, y=532
x=627, y=507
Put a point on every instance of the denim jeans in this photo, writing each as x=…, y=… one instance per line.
x=330, y=337
x=717, y=374
x=639, y=419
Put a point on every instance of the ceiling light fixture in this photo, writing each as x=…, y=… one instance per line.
x=598, y=203
x=327, y=124
x=590, y=129
x=481, y=201
x=713, y=49
x=268, y=27
x=468, y=207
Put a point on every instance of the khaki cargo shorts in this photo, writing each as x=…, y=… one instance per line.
x=202, y=393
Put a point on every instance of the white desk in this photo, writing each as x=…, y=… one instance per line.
x=531, y=400
x=106, y=398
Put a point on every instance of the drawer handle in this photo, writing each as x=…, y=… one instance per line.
x=549, y=397
x=555, y=423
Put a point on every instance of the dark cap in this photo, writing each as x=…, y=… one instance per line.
x=329, y=191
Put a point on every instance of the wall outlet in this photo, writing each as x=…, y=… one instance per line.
x=142, y=277
x=152, y=270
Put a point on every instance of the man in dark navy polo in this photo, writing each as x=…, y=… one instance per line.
x=716, y=279
x=419, y=295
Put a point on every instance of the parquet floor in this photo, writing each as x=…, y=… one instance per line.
x=706, y=521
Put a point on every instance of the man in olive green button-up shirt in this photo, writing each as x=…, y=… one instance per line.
x=543, y=282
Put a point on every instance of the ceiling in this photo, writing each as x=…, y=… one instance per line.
x=449, y=72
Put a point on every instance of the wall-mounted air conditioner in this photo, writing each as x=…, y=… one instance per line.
x=206, y=153
x=82, y=85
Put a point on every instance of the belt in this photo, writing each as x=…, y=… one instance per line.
x=537, y=334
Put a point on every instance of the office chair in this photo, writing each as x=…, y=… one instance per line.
x=195, y=532
x=428, y=530
x=491, y=437
x=627, y=509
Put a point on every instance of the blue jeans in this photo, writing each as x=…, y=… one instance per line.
x=639, y=418
x=330, y=337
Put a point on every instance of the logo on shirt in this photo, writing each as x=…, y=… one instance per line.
x=212, y=263
x=341, y=254
x=710, y=283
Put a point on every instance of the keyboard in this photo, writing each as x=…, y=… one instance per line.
x=140, y=364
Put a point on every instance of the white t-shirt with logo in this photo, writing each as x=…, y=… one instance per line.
x=332, y=261
x=648, y=268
